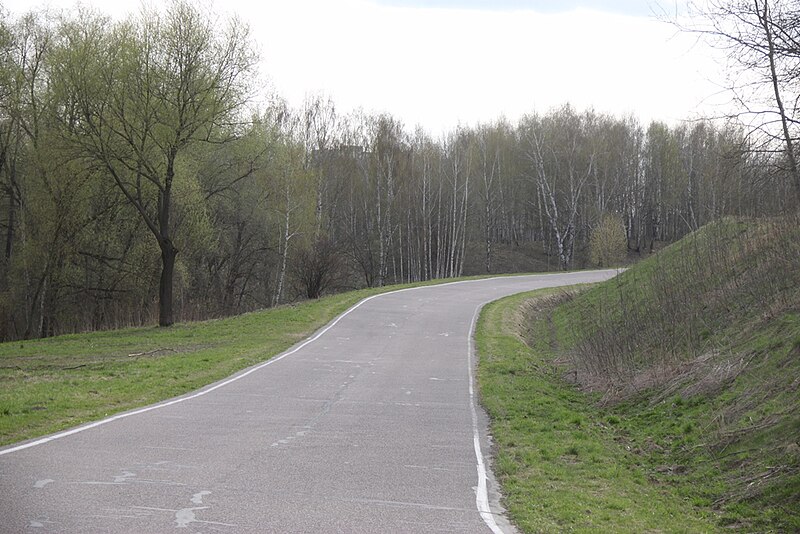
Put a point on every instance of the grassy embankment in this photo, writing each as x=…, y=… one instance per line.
x=51, y=384
x=667, y=399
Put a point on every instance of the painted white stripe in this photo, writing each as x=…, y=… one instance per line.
x=252, y=370
x=482, y=493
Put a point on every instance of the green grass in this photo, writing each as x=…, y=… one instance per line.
x=558, y=460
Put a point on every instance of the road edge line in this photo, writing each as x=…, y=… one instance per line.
x=481, y=492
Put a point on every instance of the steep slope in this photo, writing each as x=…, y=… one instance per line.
x=694, y=358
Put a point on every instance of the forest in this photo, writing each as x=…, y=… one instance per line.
x=144, y=180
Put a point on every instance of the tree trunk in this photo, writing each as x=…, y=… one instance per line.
x=465, y=207
x=168, y=254
x=168, y=250
x=766, y=23
x=488, y=230
x=318, y=206
x=454, y=222
x=285, y=255
x=10, y=230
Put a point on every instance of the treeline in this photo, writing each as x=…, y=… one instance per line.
x=139, y=181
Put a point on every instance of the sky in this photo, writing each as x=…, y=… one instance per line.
x=443, y=63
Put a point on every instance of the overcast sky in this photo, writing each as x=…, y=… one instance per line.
x=440, y=63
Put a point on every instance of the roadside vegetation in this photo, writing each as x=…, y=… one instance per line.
x=557, y=460
x=665, y=399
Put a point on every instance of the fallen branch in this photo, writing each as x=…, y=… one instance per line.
x=135, y=354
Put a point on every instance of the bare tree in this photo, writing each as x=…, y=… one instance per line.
x=762, y=44
x=489, y=165
x=289, y=177
x=318, y=268
x=319, y=132
x=562, y=156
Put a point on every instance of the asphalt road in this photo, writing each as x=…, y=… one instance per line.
x=370, y=426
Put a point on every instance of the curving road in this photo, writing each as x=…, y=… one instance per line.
x=372, y=425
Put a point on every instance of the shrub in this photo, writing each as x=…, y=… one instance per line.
x=608, y=242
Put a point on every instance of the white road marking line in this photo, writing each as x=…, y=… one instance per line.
x=481, y=493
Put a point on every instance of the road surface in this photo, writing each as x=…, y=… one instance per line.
x=372, y=425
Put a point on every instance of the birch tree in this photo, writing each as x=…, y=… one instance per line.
x=489, y=170
x=562, y=159
x=289, y=182
x=319, y=131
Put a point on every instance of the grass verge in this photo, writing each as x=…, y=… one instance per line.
x=558, y=458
